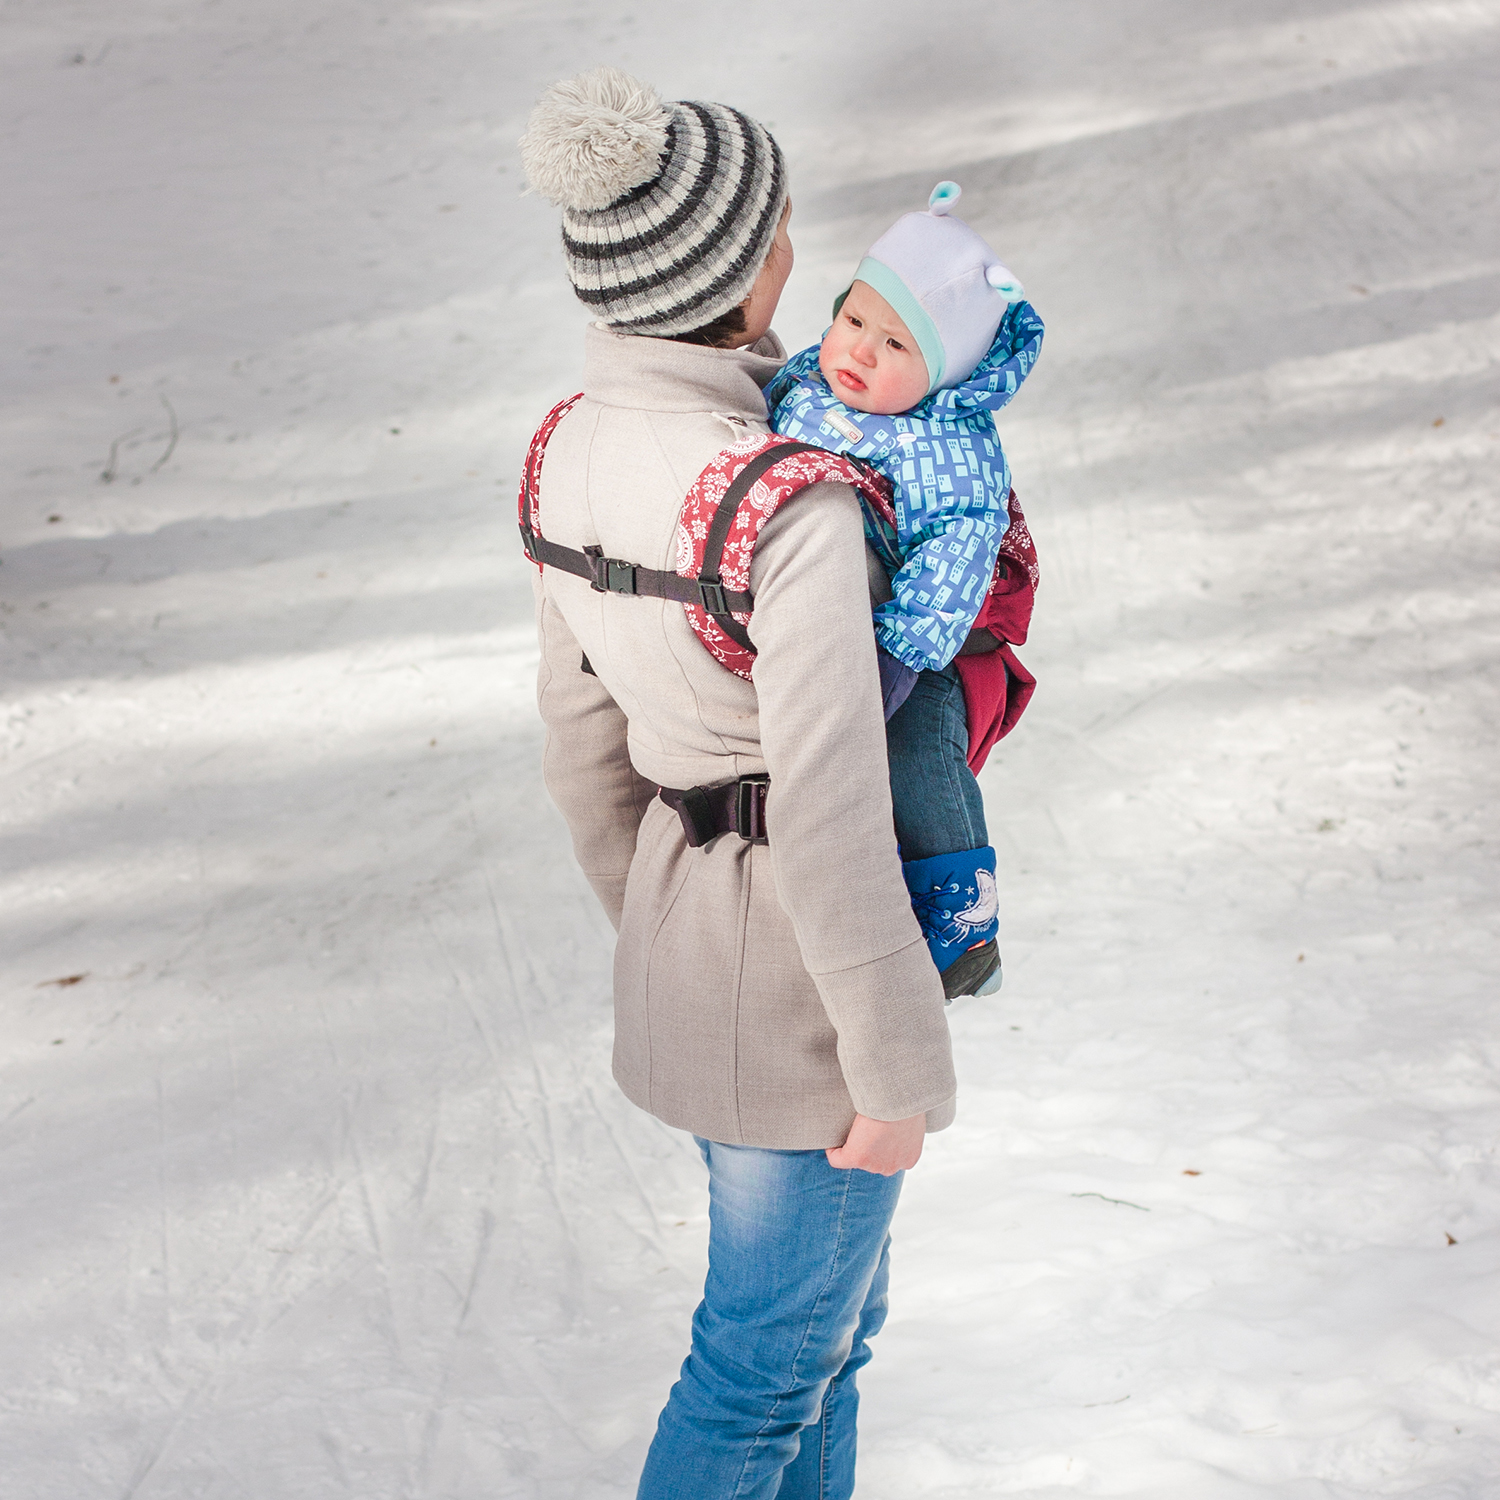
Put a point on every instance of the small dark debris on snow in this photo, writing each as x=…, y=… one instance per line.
x=1191, y=1172
x=53, y=520
x=1449, y=1238
x=1438, y=421
x=395, y=432
x=57, y=1041
x=64, y=982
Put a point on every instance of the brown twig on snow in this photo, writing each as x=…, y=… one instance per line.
x=111, y=468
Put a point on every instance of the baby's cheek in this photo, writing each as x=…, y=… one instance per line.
x=912, y=387
x=887, y=393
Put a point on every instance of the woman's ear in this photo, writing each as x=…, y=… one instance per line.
x=760, y=305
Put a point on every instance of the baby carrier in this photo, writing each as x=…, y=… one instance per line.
x=722, y=515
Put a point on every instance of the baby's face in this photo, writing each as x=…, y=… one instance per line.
x=869, y=358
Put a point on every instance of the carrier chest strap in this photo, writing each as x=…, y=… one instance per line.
x=613, y=575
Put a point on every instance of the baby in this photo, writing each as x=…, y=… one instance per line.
x=932, y=337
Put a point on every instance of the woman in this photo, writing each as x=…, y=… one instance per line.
x=777, y=1000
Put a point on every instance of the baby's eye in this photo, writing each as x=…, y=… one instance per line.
x=899, y=348
x=853, y=320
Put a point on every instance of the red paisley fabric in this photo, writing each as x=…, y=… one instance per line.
x=530, y=498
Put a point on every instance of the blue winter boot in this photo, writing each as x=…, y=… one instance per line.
x=958, y=906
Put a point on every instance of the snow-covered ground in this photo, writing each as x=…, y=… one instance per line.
x=313, y=1181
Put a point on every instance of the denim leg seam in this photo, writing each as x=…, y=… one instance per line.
x=823, y=1445
x=838, y=1251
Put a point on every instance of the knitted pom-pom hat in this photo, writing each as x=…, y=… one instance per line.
x=945, y=284
x=669, y=210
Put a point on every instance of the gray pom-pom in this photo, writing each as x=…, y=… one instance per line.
x=594, y=137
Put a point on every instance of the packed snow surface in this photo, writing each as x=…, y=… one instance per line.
x=315, y=1182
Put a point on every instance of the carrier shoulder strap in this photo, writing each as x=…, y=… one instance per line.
x=727, y=508
x=716, y=534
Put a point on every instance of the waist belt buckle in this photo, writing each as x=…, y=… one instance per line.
x=750, y=808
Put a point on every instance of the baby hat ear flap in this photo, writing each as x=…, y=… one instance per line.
x=1004, y=283
x=944, y=196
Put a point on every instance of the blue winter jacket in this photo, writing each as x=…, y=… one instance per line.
x=951, y=481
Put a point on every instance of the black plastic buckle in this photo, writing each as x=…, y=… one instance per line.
x=528, y=541
x=611, y=575
x=750, y=808
x=711, y=595
x=696, y=811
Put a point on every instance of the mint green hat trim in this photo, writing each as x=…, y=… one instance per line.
x=879, y=276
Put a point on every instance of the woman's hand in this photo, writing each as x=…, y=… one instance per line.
x=883, y=1146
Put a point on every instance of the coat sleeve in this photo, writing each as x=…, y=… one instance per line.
x=586, y=760
x=828, y=815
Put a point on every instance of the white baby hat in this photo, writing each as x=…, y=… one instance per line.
x=945, y=284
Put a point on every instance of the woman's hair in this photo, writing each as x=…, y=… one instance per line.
x=718, y=334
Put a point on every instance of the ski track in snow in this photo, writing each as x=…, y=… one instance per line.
x=315, y=1182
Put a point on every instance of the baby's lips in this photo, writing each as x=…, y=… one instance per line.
x=850, y=379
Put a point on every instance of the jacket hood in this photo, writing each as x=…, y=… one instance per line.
x=998, y=376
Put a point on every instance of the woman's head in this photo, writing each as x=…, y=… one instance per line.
x=674, y=215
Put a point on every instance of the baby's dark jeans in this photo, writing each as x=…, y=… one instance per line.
x=933, y=792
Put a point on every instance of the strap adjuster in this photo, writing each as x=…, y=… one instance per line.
x=610, y=575
x=711, y=595
x=528, y=541
x=750, y=808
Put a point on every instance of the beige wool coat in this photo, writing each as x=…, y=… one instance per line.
x=763, y=993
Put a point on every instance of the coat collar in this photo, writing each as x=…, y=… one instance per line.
x=652, y=374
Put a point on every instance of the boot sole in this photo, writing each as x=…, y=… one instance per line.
x=976, y=972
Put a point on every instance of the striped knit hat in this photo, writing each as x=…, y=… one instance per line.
x=669, y=211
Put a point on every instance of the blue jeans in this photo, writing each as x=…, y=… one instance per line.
x=798, y=1256
x=936, y=800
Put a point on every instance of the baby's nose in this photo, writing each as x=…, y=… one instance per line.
x=864, y=352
